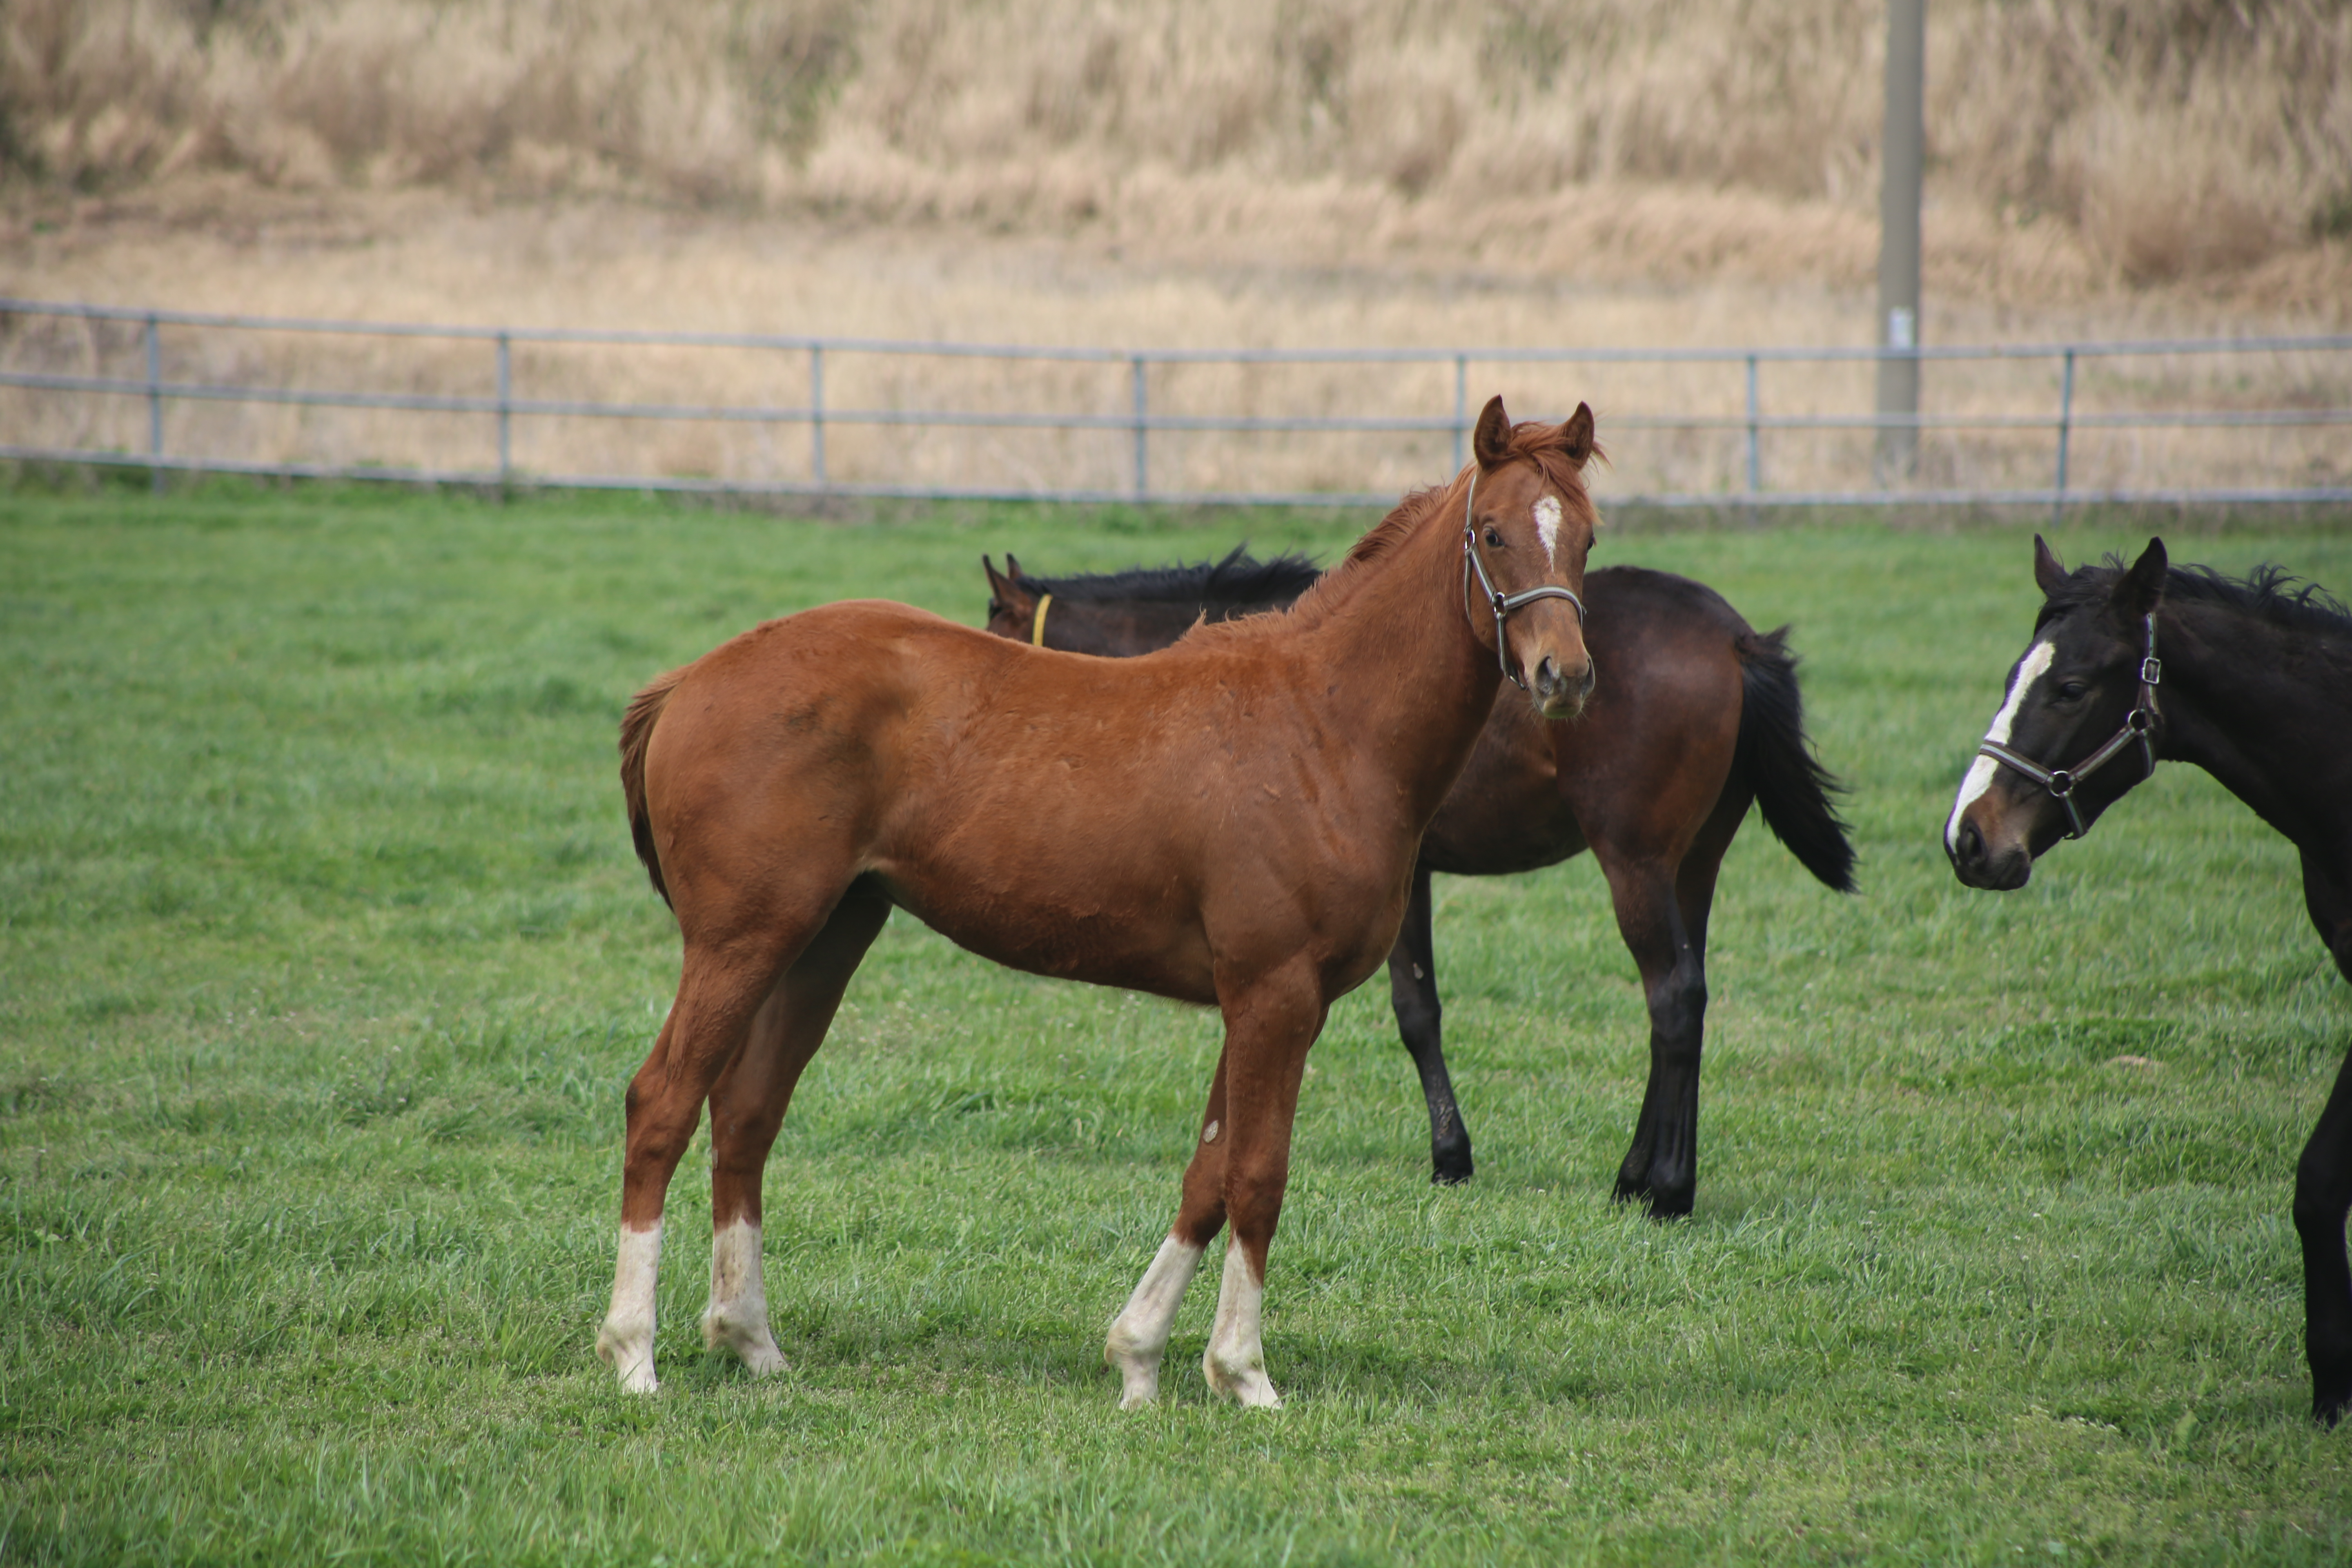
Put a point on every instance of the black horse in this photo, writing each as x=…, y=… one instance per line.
x=1695, y=715
x=2251, y=680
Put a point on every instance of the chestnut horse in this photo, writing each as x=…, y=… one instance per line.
x=2250, y=680
x=1231, y=822
x=1700, y=716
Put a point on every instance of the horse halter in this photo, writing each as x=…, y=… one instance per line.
x=1502, y=604
x=2139, y=724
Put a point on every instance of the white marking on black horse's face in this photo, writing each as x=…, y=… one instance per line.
x=1548, y=529
x=1983, y=770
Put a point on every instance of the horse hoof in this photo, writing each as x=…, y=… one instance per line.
x=2328, y=1408
x=1445, y=1175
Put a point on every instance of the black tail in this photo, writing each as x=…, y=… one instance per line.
x=1792, y=788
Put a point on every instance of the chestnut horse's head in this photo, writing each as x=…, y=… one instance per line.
x=1529, y=526
x=2076, y=729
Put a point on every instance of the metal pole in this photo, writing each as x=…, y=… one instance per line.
x=1755, y=477
x=817, y=413
x=2065, y=429
x=155, y=403
x=1142, y=473
x=1904, y=150
x=1461, y=404
x=505, y=414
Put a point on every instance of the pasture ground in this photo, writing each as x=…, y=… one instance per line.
x=324, y=958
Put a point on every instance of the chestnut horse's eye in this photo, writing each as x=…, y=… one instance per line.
x=1494, y=537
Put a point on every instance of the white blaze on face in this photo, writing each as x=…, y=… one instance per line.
x=2035, y=664
x=1547, y=528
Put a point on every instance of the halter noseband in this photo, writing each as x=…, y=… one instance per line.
x=1502, y=604
x=2139, y=724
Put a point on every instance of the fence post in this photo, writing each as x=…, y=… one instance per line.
x=1142, y=469
x=1754, y=467
x=155, y=403
x=506, y=413
x=2065, y=429
x=1461, y=403
x=817, y=414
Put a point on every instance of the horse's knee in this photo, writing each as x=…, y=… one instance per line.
x=1677, y=1005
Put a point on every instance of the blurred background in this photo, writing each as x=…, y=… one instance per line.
x=1219, y=173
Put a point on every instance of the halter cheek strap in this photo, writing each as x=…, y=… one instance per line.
x=1037, y=626
x=1500, y=603
x=2139, y=724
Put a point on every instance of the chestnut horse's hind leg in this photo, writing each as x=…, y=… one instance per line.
x=1413, y=991
x=2323, y=1195
x=747, y=1108
x=721, y=985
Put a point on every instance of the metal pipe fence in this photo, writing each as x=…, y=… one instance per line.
x=2245, y=419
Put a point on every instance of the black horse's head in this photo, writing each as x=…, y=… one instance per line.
x=2072, y=734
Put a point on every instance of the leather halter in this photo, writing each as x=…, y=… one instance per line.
x=1502, y=604
x=2139, y=724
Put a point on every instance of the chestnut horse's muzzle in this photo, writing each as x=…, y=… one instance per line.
x=1558, y=694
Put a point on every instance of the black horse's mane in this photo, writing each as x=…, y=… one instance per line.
x=2270, y=592
x=1239, y=579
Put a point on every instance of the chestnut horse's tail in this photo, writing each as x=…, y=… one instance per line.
x=637, y=733
x=1792, y=788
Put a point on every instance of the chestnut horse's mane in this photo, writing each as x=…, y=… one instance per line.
x=1532, y=440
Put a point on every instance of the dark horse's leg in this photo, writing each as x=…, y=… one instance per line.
x=1413, y=989
x=2323, y=1195
x=747, y=1109
x=1662, y=912
x=2323, y=1181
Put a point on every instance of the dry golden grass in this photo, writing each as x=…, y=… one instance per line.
x=2162, y=138
x=1313, y=172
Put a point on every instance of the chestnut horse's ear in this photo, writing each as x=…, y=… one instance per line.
x=2048, y=575
x=1576, y=435
x=1492, y=441
x=2141, y=588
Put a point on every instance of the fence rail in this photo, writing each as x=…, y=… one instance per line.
x=2298, y=387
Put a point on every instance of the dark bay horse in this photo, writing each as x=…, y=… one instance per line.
x=2251, y=680
x=1231, y=822
x=1697, y=714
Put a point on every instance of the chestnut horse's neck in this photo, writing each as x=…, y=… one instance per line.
x=1390, y=635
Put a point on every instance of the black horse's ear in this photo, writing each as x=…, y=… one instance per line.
x=2141, y=588
x=1492, y=441
x=1576, y=435
x=1004, y=588
x=2048, y=575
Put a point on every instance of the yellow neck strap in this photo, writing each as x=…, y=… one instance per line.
x=1037, y=626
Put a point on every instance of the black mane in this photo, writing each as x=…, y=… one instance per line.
x=1238, y=579
x=2270, y=592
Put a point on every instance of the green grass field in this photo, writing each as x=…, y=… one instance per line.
x=323, y=959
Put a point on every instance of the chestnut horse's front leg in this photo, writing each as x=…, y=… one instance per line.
x=1269, y=1028
x=1138, y=1335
